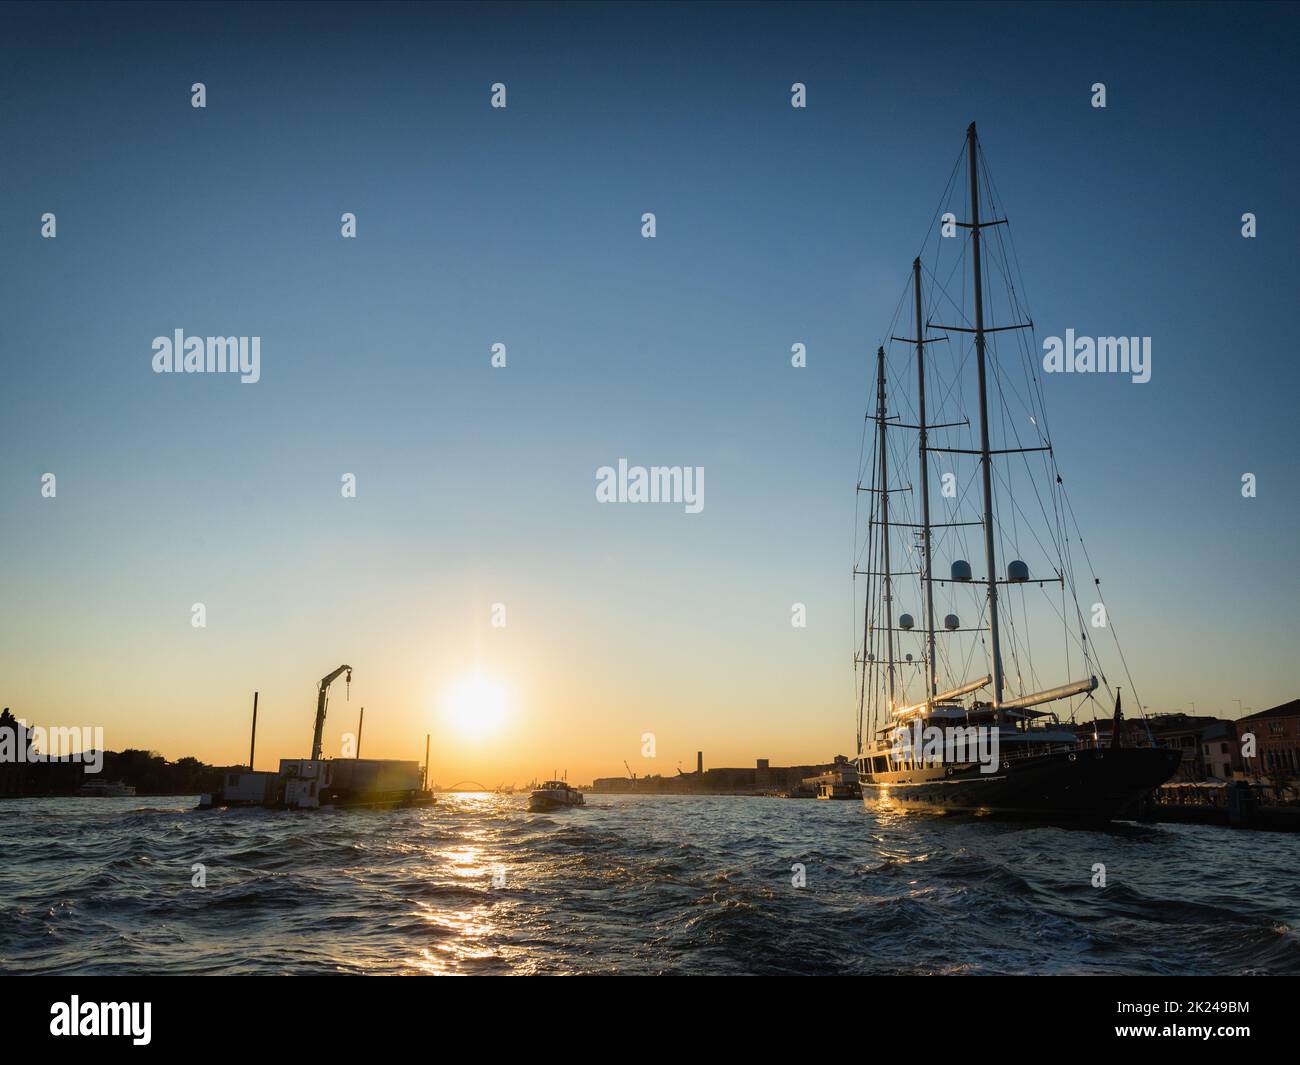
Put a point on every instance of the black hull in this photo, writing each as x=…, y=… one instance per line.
x=1092, y=784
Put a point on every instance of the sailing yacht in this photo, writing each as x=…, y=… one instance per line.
x=1001, y=740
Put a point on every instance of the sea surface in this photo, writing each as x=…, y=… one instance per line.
x=630, y=884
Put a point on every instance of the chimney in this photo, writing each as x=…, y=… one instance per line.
x=699, y=762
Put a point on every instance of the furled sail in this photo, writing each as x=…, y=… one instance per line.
x=965, y=689
x=1077, y=687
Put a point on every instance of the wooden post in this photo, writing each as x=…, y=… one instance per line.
x=252, y=743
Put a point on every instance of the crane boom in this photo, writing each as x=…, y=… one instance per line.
x=321, y=690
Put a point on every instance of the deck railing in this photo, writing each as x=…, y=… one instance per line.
x=1014, y=752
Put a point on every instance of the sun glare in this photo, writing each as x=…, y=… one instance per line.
x=476, y=707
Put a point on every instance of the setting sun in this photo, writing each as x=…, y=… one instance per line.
x=476, y=707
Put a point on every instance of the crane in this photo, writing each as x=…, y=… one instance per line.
x=322, y=690
x=630, y=774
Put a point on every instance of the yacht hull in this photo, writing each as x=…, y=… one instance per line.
x=1093, y=784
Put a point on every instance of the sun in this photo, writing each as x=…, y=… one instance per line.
x=476, y=707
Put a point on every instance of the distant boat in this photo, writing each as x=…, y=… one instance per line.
x=932, y=748
x=103, y=789
x=841, y=789
x=554, y=795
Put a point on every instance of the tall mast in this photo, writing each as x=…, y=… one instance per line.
x=884, y=522
x=931, y=684
x=972, y=154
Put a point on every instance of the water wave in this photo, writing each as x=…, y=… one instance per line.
x=477, y=884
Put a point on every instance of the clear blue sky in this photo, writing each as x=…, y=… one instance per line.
x=522, y=226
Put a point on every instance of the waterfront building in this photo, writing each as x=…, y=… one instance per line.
x=1277, y=742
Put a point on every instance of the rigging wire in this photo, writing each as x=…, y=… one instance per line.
x=1054, y=507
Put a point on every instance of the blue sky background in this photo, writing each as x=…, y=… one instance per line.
x=522, y=226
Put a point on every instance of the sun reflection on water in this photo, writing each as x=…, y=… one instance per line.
x=466, y=892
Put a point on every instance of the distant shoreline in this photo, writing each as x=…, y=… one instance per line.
x=74, y=795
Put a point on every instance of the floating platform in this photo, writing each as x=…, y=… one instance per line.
x=326, y=783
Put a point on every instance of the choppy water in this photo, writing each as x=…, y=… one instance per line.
x=631, y=885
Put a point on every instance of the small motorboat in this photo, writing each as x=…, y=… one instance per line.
x=102, y=789
x=554, y=795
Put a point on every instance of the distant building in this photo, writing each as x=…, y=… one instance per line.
x=1221, y=752
x=1183, y=732
x=763, y=777
x=1276, y=734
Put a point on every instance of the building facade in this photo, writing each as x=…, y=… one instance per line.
x=1221, y=752
x=1274, y=735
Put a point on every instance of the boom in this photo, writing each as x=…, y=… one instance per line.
x=322, y=690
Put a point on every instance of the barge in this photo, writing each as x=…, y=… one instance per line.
x=304, y=784
x=324, y=783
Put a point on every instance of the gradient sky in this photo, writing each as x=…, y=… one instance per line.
x=522, y=226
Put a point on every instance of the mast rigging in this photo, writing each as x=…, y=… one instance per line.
x=931, y=682
x=888, y=583
x=986, y=455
